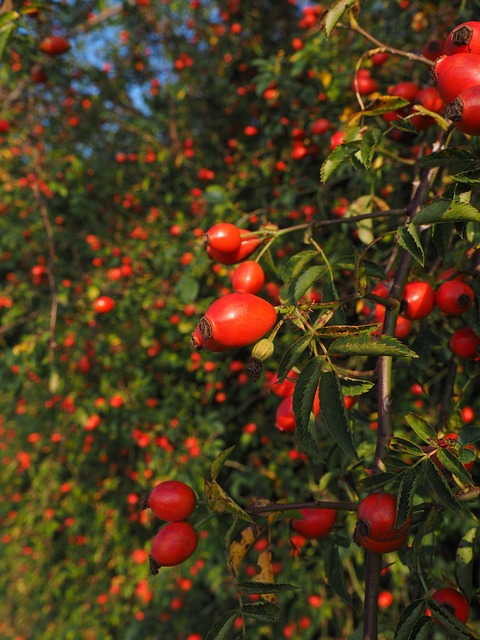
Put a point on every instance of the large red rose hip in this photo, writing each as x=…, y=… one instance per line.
x=465, y=38
x=376, y=517
x=173, y=544
x=454, y=601
x=455, y=74
x=235, y=320
x=171, y=500
x=464, y=111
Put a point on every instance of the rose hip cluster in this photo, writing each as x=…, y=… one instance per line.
x=457, y=77
x=172, y=501
x=240, y=318
x=453, y=297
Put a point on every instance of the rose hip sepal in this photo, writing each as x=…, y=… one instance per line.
x=232, y=321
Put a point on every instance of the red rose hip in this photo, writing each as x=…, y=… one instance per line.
x=172, y=500
x=173, y=544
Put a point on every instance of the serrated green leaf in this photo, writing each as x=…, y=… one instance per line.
x=335, y=14
x=454, y=157
x=464, y=562
x=292, y=355
x=371, y=346
x=422, y=428
x=334, y=571
x=339, y=331
x=297, y=264
x=443, y=210
x=378, y=480
x=408, y=238
x=265, y=587
x=471, y=176
x=405, y=496
x=218, y=500
x=402, y=444
x=219, y=461
x=265, y=611
x=355, y=386
x=422, y=629
x=440, y=487
x=449, y=621
x=404, y=125
x=368, y=145
x=408, y=619
x=339, y=155
x=333, y=413
x=306, y=388
x=439, y=120
x=469, y=435
x=384, y=104
x=453, y=464
x=223, y=626
x=441, y=234
x=309, y=277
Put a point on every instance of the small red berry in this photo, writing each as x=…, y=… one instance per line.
x=418, y=300
x=103, y=304
x=223, y=236
x=248, y=277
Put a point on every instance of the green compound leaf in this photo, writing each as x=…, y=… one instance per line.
x=443, y=210
x=405, y=496
x=368, y=345
x=219, y=461
x=339, y=155
x=218, y=500
x=306, y=387
x=440, y=487
x=408, y=619
x=453, y=464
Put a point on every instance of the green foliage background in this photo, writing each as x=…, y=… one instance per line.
x=132, y=148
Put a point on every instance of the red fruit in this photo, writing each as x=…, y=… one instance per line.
x=433, y=49
x=103, y=304
x=376, y=516
x=4, y=126
x=364, y=83
x=403, y=326
x=336, y=139
x=249, y=242
x=224, y=237
x=285, y=418
x=248, y=277
x=455, y=74
x=315, y=523
x=464, y=343
x=454, y=601
x=235, y=320
x=431, y=100
x=385, y=546
x=380, y=58
x=418, y=300
x=465, y=38
x=385, y=599
x=284, y=388
x=407, y=90
x=464, y=111
x=173, y=544
x=454, y=297
x=54, y=45
x=38, y=75
x=172, y=500
x=320, y=126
